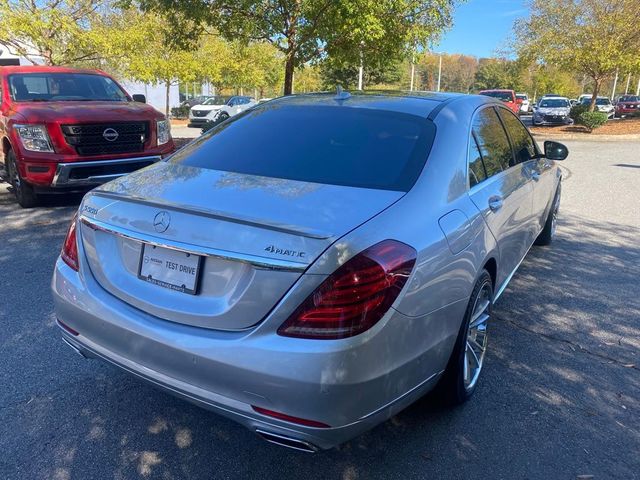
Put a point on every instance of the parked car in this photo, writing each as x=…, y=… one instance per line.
x=552, y=111
x=628, y=105
x=219, y=109
x=603, y=104
x=312, y=285
x=192, y=102
x=508, y=97
x=523, y=100
x=65, y=130
x=584, y=96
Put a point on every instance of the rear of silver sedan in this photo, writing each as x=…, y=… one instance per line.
x=265, y=298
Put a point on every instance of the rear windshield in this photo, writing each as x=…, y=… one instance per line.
x=504, y=96
x=335, y=145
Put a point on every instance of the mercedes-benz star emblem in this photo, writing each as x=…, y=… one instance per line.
x=110, y=135
x=161, y=221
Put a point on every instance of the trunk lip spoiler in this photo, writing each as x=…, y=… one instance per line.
x=252, y=222
x=258, y=262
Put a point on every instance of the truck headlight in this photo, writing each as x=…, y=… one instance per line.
x=34, y=138
x=163, y=131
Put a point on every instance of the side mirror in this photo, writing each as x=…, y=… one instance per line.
x=555, y=150
x=138, y=97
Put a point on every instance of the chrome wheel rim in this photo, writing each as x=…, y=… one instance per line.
x=476, y=345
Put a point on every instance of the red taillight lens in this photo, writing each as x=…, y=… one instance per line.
x=69, y=251
x=289, y=418
x=354, y=297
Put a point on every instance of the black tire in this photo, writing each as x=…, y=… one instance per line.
x=24, y=192
x=453, y=388
x=548, y=233
x=222, y=117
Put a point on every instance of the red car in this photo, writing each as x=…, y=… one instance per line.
x=506, y=96
x=628, y=105
x=65, y=130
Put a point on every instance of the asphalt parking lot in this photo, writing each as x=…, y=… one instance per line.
x=559, y=397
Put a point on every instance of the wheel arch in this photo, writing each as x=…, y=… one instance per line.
x=491, y=266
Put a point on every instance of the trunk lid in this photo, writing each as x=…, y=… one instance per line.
x=257, y=235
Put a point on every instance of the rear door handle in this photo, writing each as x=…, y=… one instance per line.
x=495, y=203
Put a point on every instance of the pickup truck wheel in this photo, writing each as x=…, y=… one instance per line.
x=24, y=193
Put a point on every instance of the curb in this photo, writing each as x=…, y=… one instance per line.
x=587, y=136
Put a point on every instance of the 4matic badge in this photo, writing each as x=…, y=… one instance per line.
x=284, y=251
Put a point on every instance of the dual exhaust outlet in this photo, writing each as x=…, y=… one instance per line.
x=276, y=438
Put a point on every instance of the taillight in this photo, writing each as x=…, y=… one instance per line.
x=69, y=251
x=289, y=418
x=354, y=297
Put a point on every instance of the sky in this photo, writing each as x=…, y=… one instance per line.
x=481, y=27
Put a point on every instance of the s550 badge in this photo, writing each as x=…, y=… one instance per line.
x=284, y=251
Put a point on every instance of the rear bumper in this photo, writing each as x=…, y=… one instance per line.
x=86, y=174
x=351, y=387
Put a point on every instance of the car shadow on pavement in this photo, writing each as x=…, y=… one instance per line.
x=558, y=398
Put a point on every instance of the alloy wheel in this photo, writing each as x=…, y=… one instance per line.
x=476, y=345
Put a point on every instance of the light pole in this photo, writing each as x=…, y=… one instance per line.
x=361, y=72
x=413, y=71
x=615, y=84
x=439, y=71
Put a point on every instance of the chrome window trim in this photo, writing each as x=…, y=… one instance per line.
x=260, y=263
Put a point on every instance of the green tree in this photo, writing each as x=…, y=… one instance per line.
x=307, y=30
x=146, y=52
x=56, y=32
x=338, y=71
x=499, y=73
x=590, y=37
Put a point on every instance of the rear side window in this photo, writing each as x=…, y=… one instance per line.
x=523, y=146
x=337, y=145
x=476, y=168
x=492, y=141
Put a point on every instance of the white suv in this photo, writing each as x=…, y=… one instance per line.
x=219, y=108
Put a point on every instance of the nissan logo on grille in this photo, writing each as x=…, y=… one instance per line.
x=110, y=135
x=161, y=221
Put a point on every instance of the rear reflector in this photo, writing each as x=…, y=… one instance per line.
x=354, y=297
x=69, y=253
x=289, y=418
x=67, y=328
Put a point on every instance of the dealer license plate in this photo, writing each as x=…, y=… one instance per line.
x=170, y=268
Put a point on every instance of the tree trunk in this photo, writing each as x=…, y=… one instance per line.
x=289, y=68
x=594, y=95
x=166, y=98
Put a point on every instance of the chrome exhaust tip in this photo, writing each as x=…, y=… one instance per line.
x=74, y=348
x=287, y=442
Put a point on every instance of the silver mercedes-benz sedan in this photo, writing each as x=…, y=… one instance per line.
x=315, y=264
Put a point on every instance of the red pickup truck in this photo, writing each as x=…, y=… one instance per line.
x=66, y=130
x=506, y=96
